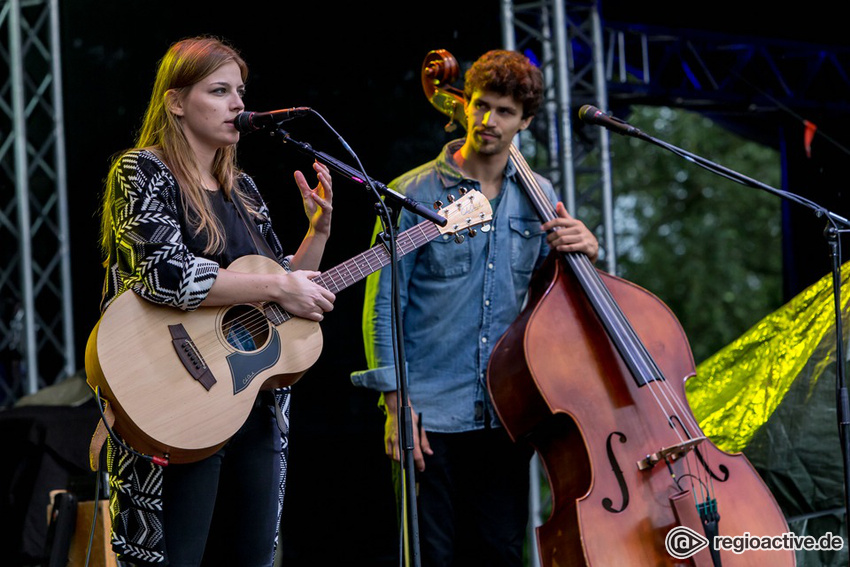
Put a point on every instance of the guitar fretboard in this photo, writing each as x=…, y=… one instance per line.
x=352, y=271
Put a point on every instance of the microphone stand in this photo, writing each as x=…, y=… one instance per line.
x=835, y=226
x=409, y=545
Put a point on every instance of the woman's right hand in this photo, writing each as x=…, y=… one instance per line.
x=294, y=291
x=304, y=298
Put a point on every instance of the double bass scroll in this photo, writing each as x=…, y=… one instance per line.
x=592, y=374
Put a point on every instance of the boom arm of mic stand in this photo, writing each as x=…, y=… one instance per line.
x=356, y=176
x=743, y=179
x=832, y=234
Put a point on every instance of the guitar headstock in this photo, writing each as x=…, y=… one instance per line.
x=466, y=212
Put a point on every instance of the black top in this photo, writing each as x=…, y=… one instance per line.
x=238, y=241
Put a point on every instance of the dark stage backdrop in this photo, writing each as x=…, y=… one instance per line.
x=358, y=65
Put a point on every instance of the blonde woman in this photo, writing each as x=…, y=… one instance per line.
x=176, y=212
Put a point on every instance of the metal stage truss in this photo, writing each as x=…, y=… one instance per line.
x=36, y=336
x=588, y=59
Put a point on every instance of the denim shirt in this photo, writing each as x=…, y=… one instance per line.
x=457, y=299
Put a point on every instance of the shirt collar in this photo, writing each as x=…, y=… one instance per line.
x=449, y=172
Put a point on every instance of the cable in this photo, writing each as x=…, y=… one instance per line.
x=151, y=458
x=94, y=515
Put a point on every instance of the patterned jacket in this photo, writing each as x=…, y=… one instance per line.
x=148, y=254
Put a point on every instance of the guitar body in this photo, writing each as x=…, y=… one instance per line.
x=181, y=383
x=160, y=408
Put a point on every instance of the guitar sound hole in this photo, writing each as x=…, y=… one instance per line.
x=245, y=327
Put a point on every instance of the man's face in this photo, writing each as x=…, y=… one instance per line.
x=492, y=122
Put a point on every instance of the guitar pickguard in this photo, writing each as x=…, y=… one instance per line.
x=244, y=366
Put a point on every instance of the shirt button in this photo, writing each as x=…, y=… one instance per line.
x=483, y=339
x=490, y=265
x=527, y=232
x=487, y=302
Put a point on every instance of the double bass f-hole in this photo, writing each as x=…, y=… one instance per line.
x=607, y=503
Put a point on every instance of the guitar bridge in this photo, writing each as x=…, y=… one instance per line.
x=188, y=354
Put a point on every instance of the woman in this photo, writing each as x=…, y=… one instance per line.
x=176, y=212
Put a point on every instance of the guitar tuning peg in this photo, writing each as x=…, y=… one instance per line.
x=458, y=238
x=462, y=190
x=451, y=198
x=438, y=205
x=485, y=228
x=472, y=232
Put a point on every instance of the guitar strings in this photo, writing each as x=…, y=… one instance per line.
x=255, y=322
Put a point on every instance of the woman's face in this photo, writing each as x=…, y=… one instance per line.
x=208, y=107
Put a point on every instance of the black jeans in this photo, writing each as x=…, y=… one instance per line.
x=472, y=503
x=232, y=496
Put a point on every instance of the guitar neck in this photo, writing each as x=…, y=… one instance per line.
x=352, y=271
x=470, y=210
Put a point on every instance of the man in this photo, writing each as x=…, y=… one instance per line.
x=457, y=300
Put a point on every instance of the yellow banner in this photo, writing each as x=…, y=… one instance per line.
x=736, y=390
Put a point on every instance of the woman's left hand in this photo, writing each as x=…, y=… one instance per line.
x=317, y=201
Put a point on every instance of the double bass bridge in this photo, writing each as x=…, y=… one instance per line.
x=669, y=454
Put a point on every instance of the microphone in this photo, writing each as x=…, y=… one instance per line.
x=593, y=115
x=247, y=122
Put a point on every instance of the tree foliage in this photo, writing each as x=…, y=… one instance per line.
x=708, y=247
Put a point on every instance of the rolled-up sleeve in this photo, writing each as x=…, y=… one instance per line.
x=377, y=317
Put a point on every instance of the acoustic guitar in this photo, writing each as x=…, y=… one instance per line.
x=181, y=383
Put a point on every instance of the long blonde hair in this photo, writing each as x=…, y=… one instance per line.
x=185, y=63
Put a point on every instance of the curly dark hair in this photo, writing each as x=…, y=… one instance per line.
x=507, y=73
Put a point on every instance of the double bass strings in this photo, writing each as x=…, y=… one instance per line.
x=630, y=347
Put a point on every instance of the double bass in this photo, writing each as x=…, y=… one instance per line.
x=592, y=375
